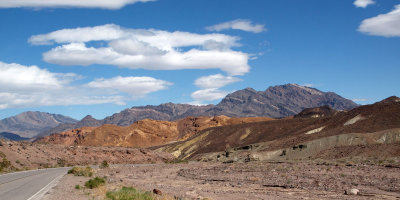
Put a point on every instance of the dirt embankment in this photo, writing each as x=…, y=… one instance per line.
x=26, y=155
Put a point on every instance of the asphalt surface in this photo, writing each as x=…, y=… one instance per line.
x=29, y=185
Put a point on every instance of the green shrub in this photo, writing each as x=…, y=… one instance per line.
x=81, y=171
x=5, y=164
x=129, y=193
x=77, y=187
x=104, y=164
x=95, y=182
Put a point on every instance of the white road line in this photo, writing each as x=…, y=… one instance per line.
x=46, y=188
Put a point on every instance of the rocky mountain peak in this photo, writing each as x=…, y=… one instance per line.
x=88, y=118
x=392, y=99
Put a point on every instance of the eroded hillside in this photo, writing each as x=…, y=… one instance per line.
x=144, y=133
x=300, y=137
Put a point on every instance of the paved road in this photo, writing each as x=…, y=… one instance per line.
x=29, y=184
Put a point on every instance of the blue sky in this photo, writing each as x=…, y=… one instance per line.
x=100, y=57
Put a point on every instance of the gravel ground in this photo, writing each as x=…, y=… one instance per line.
x=254, y=180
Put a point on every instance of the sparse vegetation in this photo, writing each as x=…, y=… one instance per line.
x=2, y=155
x=61, y=162
x=104, y=164
x=129, y=193
x=176, y=161
x=95, y=182
x=5, y=164
x=81, y=171
x=77, y=187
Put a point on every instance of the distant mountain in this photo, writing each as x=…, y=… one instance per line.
x=30, y=124
x=11, y=136
x=277, y=102
x=87, y=121
x=166, y=112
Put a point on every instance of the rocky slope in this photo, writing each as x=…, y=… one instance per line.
x=28, y=155
x=277, y=102
x=143, y=133
x=298, y=137
x=30, y=124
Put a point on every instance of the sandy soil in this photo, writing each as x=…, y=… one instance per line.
x=254, y=180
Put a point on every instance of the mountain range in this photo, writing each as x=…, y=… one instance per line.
x=275, y=102
x=312, y=132
x=29, y=124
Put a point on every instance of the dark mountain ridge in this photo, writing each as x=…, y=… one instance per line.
x=11, y=136
x=276, y=102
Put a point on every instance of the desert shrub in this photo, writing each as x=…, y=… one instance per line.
x=77, y=187
x=95, y=182
x=4, y=164
x=104, y=164
x=61, y=162
x=129, y=193
x=176, y=161
x=81, y=171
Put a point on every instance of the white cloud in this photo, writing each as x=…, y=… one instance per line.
x=28, y=86
x=15, y=76
x=360, y=100
x=210, y=94
x=363, y=3
x=308, y=85
x=135, y=86
x=387, y=25
x=146, y=49
x=85, y=34
x=210, y=88
x=105, y=4
x=239, y=24
x=215, y=81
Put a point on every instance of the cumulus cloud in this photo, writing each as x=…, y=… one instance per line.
x=387, y=25
x=105, y=4
x=209, y=94
x=363, y=3
x=27, y=86
x=210, y=88
x=135, y=86
x=146, y=49
x=215, y=81
x=16, y=77
x=239, y=24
